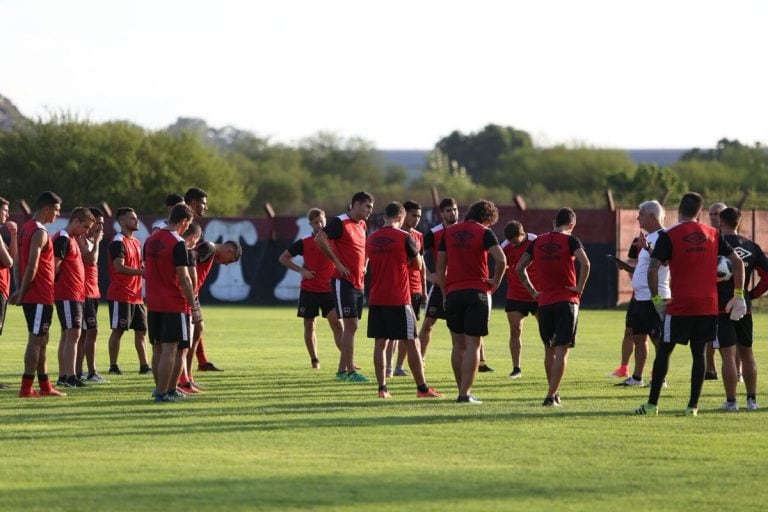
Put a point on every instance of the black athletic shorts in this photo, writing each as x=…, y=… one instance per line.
x=348, y=299
x=124, y=316
x=628, y=316
x=435, y=303
x=682, y=329
x=392, y=322
x=38, y=317
x=644, y=319
x=90, y=314
x=70, y=314
x=468, y=312
x=730, y=333
x=525, y=307
x=169, y=328
x=416, y=299
x=558, y=323
x=312, y=303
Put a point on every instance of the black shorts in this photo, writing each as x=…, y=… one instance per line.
x=3, y=310
x=643, y=318
x=90, y=314
x=468, y=312
x=525, y=307
x=70, y=313
x=124, y=316
x=392, y=322
x=38, y=317
x=312, y=303
x=628, y=316
x=730, y=333
x=416, y=304
x=682, y=329
x=348, y=299
x=435, y=303
x=558, y=323
x=169, y=328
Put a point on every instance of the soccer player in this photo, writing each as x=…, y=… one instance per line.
x=343, y=241
x=643, y=320
x=735, y=336
x=69, y=292
x=449, y=212
x=519, y=302
x=35, y=293
x=628, y=341
x=89, y=248
x=170, y=294
x=417, y=282
x=315, y=296
x=559, y=294
x=391, y=251
x=7, y=255
x=690, y=248
x=126, y=307
x=462, y=272
x=714, y=221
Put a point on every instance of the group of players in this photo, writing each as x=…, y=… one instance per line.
x=62, y=270
x=542, y=280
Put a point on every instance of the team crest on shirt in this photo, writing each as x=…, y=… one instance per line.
x=549, y=248
x=742, y=253
x=381, y=242
x=462, y=238
x=154, y=248
x=695, y=238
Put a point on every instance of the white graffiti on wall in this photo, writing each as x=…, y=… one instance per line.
x=229, y=285
x=289, y=287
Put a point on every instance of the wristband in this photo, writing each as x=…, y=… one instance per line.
x=657, y=300
x=739, y=294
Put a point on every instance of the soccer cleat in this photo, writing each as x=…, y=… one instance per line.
x=388, y=372
x=96, y=378
x=208, y=367
x=356, y=377
x=549, y=401
x=752, y=404
x=619, y=373
x=341, y=376
x=400, y=372
x=114, y=370
x=729, y=406
x=164, y=398
x=176, y=393
x=62, y=381
x=647, y=409
x=315, y=364
x=145, y=369
x=30, y=393
x=691, y=411
x=710, y=376
x=556, y=398
x=663, y=384
x=429, y=393
x=197, y=385
x=631, y=382
x=516, y=374
x=469, y=399
x=74, y=382
x=383, y=393
x=52, y=392
x=484, y=368
x=189, y=388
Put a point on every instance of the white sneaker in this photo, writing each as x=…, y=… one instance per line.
x=663, y=384
x=632, y=382
x=730, y=406
x=752, y=404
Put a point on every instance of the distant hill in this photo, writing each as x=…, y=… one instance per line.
x=9, y=114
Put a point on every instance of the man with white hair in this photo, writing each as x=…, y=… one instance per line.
x=642, y=317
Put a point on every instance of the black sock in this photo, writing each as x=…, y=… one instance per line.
x=637, y=377
x=383, y=388
x=423, y=387
x=751, y=397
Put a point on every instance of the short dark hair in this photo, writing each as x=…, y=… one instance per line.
x=173, y=199
x=483, y=211
x=194, y=194
x=47, y=198
x=179, y=213
x=194, y=229
x=691, y=204
x=448, y=202
x=361, y=197
x=96, y=211
x=236, y=247
x=4, y=202
x=513, y=229
x=123, y=210
x=564, y=217
x=731, y=217
x=82, y=214
x=393, y=210
x=411, y=205
x=314, y=213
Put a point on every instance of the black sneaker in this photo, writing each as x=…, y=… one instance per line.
x=484, y=368
x=469, y=399
x=516, y=374
x=61, y=381
x=145, y=369
x=74, y=382
x=114, y=370
x=549, y=402
x=710, y=376
x=208, y=367
x=556, y=398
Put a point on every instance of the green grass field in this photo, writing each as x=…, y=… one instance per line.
x=270, y=433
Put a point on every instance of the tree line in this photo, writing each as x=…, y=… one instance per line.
x=125, y=164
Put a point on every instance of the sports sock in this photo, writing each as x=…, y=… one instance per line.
x=383, y=388
x=44, y=382
x=423, y=387
x=752, y=397
x=637, y=377
x=27, y=381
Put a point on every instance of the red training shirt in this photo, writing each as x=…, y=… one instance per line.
x=41, y=288
x=348, y=243
x=316, y=261
x=466, y=247
x=552, y=253
x=515, y=288
x=70, y=280
x=388, y=251
x=124, y=287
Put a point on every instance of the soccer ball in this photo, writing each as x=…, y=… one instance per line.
x=724, y=268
